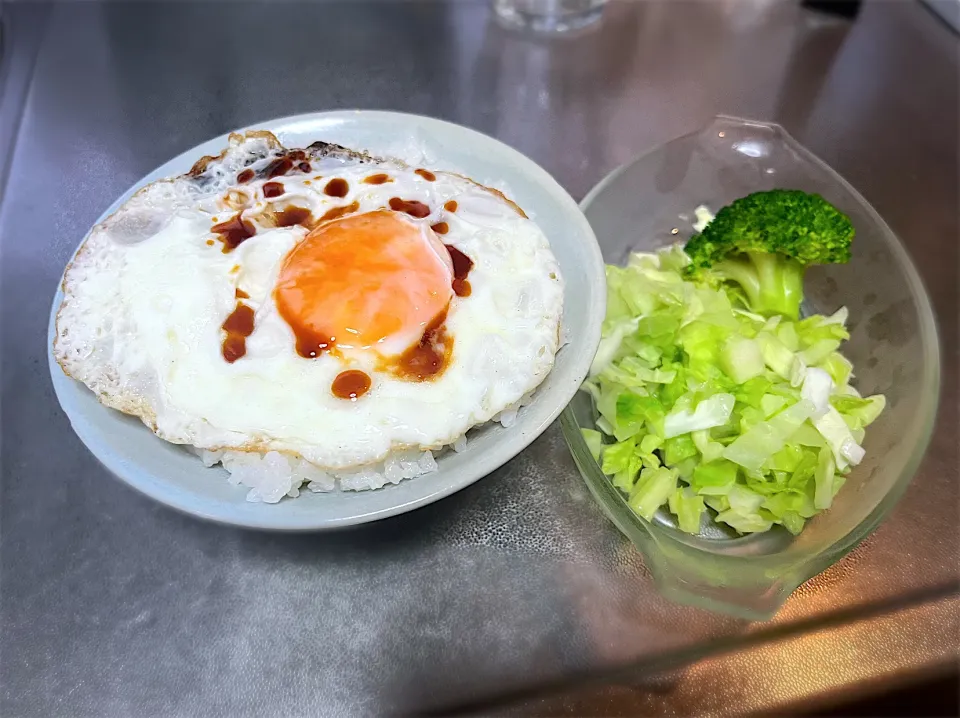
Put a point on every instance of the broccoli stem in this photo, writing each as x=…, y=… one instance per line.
x=772, y=283
x=743, y=273
x=781, y=284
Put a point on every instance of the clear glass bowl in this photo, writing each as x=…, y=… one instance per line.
x=649, y=203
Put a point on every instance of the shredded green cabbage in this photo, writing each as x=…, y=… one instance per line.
x=709, y=410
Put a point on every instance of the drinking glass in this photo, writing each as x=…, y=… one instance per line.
x=549, y=16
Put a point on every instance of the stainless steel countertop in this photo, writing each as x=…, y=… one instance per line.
x=115, y=606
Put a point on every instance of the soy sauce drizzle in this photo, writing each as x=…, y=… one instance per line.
x=272, y=189
x=428, y=357
x=278, y=167
x=337, y=187
x=350, y=384
x=378, y=179
x=410, y=206
x=293, y=215
x=238, y=326
x=338, y=212
x=462, y=264
x=311, y=344
x=234, y=232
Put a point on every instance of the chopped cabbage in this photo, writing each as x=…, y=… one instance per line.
x=707, y=409
x=711, y=412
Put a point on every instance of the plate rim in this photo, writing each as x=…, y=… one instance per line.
x=182, y=499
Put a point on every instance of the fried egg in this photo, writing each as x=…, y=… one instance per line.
x=320, y=303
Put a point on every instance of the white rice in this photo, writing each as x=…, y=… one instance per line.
x=272, y=476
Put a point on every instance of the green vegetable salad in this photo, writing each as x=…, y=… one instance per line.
x=715, y=399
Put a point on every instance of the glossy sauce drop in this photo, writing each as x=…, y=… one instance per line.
x=462, y=264
x=410, y=206
x=238, y=326
x=309, y=344
x=245, y=176
x=350, y=384
x=233, y=347
x=293, y=215
x=278, y=167
x=440, y=227
x=337, y=187
x=338, y=212
x=451, y=205
x=426, y=174
x=240, y=294
x=430, y=356
x=378, y=179
x=272, y=189
x=234, y=232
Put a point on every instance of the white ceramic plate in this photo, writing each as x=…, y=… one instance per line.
x=176, y=477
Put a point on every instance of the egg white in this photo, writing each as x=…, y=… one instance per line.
x=146, y=295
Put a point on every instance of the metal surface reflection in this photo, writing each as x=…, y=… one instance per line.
x=113, y=605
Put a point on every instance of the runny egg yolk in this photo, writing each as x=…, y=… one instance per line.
x=373, y=280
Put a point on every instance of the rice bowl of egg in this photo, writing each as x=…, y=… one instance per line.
x=326, y=319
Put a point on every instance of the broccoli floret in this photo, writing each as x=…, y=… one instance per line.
x=765, y=241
